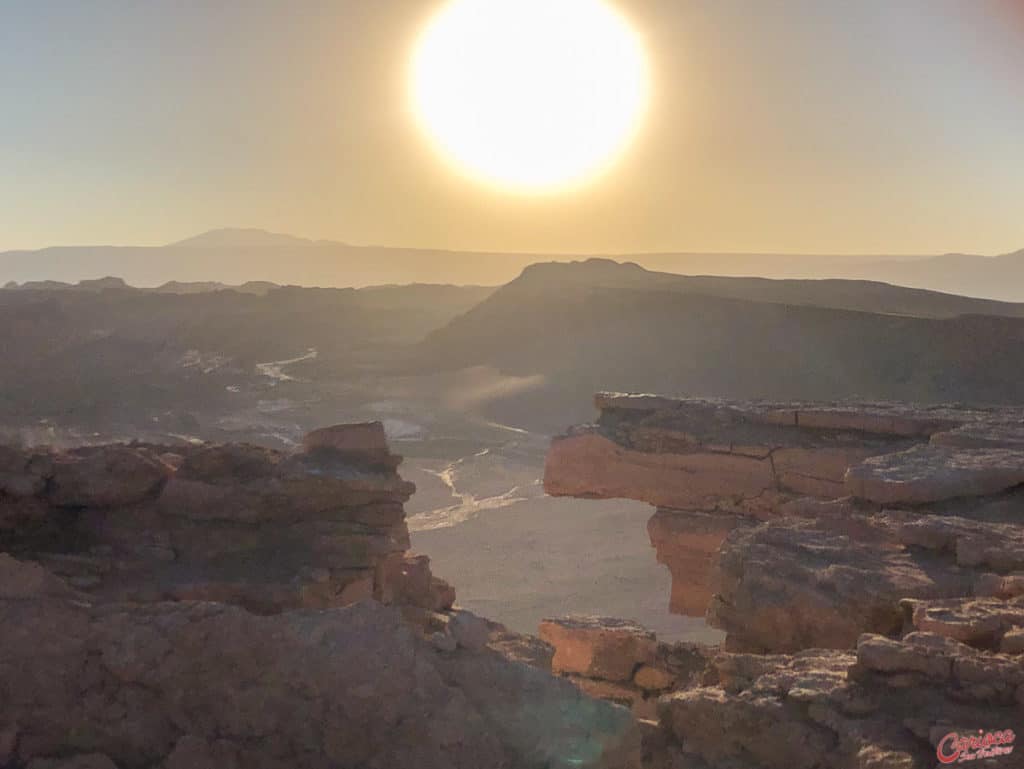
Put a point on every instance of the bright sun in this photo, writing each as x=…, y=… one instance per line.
x=530, y=95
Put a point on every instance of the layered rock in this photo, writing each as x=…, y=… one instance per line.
x=800, y=583
x=198, y=684
x=891, y=703
x=745, y=458
x=801, y=525
x=866, y=563
x=229, y=606
x=233, y=523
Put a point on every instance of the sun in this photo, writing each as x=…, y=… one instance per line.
x=529, y=95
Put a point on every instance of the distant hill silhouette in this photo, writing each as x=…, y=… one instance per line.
x=122, y=356
x=102, y=353
x=592, y=325
x=237, y=256
x=999, y=277
x=237, y=237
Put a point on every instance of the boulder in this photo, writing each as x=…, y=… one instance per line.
x=360, y=437
x=932, y=473
x=406, y=579
x=469, y=631
x=598, y=647
x=979, y=622
x=653, y=679
x=795, y=584
x=105, y=476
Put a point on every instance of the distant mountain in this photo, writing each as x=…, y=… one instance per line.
x=118, y=284
x=102, y=353
x=550, y=279
x=259, y=287
x=237, y=256
x=122, y=357
x=998, y=277
x=234, y=237
x=581, y=327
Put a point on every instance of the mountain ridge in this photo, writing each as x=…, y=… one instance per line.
x=235, y=256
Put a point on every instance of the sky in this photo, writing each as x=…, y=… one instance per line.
x=785, y=126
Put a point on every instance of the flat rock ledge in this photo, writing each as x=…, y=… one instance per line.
x=865, y=560
x=799, y=525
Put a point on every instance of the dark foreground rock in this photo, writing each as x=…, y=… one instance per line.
x=890, y=704
x=234, y=523
x=233, y=607
x=206, y=684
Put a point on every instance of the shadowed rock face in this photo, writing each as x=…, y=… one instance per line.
x=888, y=704
x=866, y=563
x=769, y=516
x=234, y=607
x=211, y=685
x=232, y=523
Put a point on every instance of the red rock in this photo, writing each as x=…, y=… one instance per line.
x=598, y=647
x=653, y=679
x=688, y=544
x=407, y=580
x=590, y=465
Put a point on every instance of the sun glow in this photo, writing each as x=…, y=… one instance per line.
x=529, y=95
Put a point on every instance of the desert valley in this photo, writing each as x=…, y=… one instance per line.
x=815, y=521
x=511, y=384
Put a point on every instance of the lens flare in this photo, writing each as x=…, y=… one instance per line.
x=529, y=95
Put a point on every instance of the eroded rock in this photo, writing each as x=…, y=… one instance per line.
x=187, y=684
x=931, y=473
x=598, y=647
x=230, y=523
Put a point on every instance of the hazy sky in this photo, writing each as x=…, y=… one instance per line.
x=870, y=126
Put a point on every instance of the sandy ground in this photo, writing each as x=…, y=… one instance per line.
x=549, y=556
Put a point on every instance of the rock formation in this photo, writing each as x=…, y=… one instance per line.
x=620, y=661
x=803, y=525
x=233, y=523
x=866, y=562
x=890, y=703
x=233, y=607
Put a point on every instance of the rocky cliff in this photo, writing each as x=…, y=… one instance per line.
x=865, y=560
x=229, y=606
